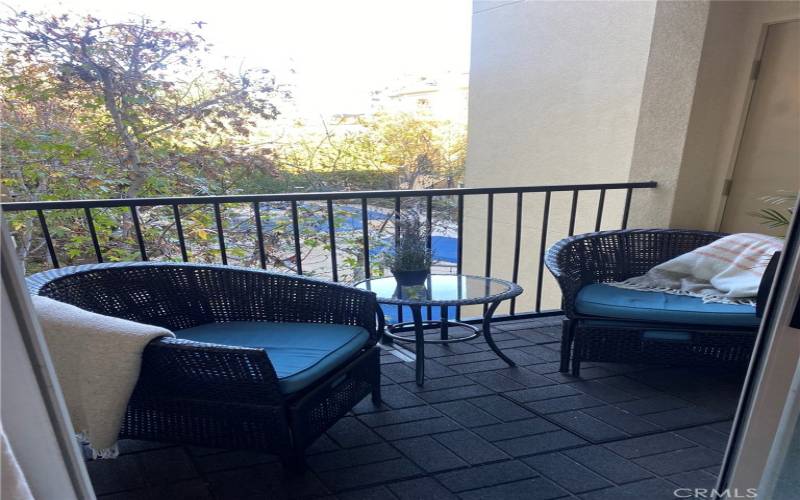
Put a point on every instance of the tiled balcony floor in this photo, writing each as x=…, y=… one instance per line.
x=477, y=429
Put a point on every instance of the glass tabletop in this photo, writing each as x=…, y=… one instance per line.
x=442, y=289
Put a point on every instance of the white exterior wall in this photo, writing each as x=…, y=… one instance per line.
x=445, y=95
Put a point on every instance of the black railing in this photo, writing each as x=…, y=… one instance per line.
x=364, y=197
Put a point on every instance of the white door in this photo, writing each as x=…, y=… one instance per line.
x=768, y=162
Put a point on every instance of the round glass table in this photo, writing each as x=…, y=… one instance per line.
x=442, y=290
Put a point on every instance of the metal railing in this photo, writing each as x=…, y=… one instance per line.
x=256, y=201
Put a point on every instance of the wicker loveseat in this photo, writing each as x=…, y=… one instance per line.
x=605, y=323
x=262, y=360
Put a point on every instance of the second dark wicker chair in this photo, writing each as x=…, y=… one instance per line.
x=217, y=384
x=611, y=324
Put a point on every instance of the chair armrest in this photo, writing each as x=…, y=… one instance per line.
x=183, y=369
x=610, y=256
x=766, y=284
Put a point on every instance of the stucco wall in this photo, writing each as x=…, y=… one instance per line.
x=731, y=45
x=693, y=109
x=544, y=73
x=555, y=89
x=669, y=89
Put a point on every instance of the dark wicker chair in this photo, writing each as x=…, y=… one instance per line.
x=615, y=256
x=217, y=395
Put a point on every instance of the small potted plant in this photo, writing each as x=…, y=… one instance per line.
x=781, y=211
x=410, y=262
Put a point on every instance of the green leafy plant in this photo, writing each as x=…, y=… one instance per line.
x=411, y=252
x=780, y=211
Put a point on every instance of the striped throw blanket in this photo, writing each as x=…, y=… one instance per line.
x=727, y=271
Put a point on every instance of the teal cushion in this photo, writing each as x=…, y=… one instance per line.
x=621, y=303
x=301, y=353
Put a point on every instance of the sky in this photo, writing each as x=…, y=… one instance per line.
x=339, y=50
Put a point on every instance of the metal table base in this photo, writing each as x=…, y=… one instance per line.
x=389, y=332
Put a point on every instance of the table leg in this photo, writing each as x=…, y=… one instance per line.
x=384, y=340
x=419, y=334
x=443, y=318
x=487, y=332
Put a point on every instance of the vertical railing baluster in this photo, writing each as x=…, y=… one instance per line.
x=332, y=241
x=176, y=214
x=573, y=212
x=47, y=239
x=455, y=199
x=627, y=209
x=428, y=220
x=542, y=245
x=220, y=234
x=397, y=206
x=517, y=244
x=429, y=239
x=459, y=243
x=138, y=230
x=489, y=228
x=93, y=233
x=444, y=326
x=298, y=256
x=365, y=247
x=600, y=204
x=460, y=235
x=262, y=257
x=365, y=237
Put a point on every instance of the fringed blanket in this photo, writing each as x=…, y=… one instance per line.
x=97, y=360
x=727, y=271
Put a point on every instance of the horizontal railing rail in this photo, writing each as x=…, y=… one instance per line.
x=425, y=196
x=334, y=195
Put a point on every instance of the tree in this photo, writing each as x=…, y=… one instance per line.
x=136, y=91
x=107, y=110
x=391, y=151
x=384, y=151
x=95, y=109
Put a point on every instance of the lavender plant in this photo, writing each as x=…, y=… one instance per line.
x=411, y=252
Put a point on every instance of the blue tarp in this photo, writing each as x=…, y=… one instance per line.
x=392, y=316
x=444, y=248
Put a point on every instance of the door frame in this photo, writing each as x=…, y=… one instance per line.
x=768, y=384
x=75, y=482
x=730, y=171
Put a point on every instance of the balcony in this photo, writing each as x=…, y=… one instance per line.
x=477, y=428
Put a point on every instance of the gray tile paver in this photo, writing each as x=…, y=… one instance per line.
x=476, y=429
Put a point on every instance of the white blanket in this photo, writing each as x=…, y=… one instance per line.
x=727, y=270
x=97, y=360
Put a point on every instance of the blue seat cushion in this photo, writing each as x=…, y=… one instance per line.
x=621, y=303
x=301, y=353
